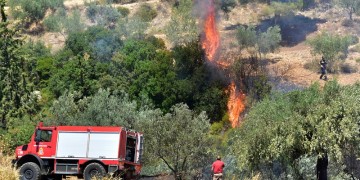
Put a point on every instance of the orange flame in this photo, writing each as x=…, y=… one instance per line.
x=211, y=37
x=235, y=104
x=211, y=43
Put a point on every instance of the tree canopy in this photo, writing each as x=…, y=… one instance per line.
x=312, y=122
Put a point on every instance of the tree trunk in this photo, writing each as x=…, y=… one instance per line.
x=321, y=168
x=2, y=11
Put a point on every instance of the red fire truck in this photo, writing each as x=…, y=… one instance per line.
x=87, y=151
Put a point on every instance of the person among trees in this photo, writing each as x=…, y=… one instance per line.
x=217, y=169
x=323, y=64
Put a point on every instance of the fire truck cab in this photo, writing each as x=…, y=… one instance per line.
x=87, y=151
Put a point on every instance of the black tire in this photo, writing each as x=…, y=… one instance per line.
x=94, y=170
x=30, y=171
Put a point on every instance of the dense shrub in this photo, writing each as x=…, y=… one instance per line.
x=103, y=15
x=146, y=13
x=123, y=11
x=332, y=47
x=33, y=10
x=63, y=21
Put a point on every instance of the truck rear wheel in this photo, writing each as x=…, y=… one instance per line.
x=30, y=171
x=94, y=170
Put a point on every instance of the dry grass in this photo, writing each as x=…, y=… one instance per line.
x=6, y=170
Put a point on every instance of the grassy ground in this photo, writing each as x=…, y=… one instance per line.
x=6, y=170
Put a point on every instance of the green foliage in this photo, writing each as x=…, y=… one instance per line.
x=123, y=11
x=61, y=21
x=152, y=71
x=270, y=40
x=16, y=99
x=331, y=47
x=182, y=28
x=76, y=74
x=102, y=109
x=146, y=13
x=132, y=28
x=178, y=139
x=249, y=73
x=263, y=43
x=36, y=49
x=301, y=123
x=350, y=6
x=51, y=23
x=2, y=11
x=33, y=11
x=44, y=69
x=18, y=134
x=103, y=15
x=226, y=6
x=285, y=9
x=276, y=9
x=100, y=43
x=306, y=4
x=246, y=37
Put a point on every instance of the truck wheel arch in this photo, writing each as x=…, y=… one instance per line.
x=83, y=166
x=99, y=169
x=30, y=158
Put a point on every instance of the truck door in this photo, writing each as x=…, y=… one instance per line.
x=139, y=148
x=44, y=143
x=130, y=148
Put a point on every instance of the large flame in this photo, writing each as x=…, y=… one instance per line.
x=211, y=43
x=235, y=104
x=211, y=37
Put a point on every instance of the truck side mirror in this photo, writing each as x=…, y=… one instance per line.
x=38, y=135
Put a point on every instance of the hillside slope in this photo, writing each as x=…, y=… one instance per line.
x=287, y=64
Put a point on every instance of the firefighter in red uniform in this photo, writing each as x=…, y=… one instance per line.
x=217, y=169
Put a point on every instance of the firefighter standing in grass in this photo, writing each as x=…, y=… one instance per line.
x=217, y=169
x=323, y=64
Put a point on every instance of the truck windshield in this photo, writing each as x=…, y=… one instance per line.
x=43, y=135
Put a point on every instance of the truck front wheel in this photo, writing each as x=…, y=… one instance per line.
x=30, y=171
x=94, y=170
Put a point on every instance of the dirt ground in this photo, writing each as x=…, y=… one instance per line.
x=288, y=62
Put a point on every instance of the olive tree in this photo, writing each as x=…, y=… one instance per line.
x=262, y=42
x=313, y=122
x=179, y=139
x=33, y=11
x=331, y=47
x=182, y=27
x=350, y=6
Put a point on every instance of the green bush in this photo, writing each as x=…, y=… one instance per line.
x=51, y=24
x=146, y=13
x=103, y=15
x=123, y=11
x=32, y=10
x=332, y=47
x=18, y=135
